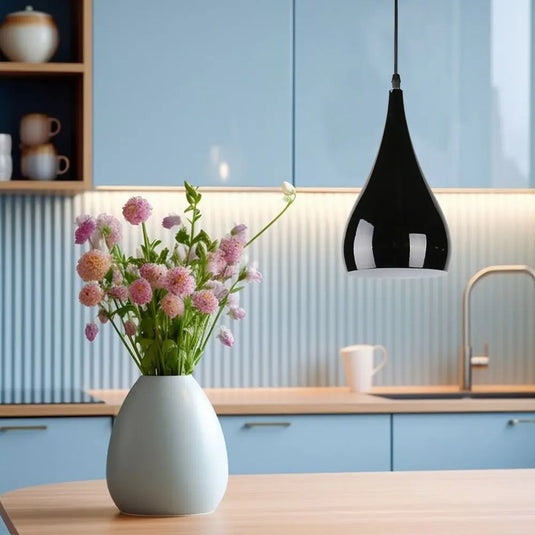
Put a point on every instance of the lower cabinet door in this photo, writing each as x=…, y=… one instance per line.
x=35, y=451
x=463, y=441
x=307, y=443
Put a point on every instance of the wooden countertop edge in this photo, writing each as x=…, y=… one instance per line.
x=298, y=400
x=53, y=410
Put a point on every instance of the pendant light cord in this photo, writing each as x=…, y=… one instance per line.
x=396, y=80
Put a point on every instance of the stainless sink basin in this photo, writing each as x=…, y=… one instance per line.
x=458, y=395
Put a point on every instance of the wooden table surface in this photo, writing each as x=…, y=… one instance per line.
x=486, y=502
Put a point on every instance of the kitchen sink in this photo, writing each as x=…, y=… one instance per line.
x=458, y=395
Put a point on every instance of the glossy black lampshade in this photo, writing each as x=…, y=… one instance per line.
x=396, y=228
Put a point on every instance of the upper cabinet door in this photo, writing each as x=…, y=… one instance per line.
x=197, y=90
x=465, y=76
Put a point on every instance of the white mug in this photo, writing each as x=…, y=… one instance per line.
x=38, y=128
x=358, y=366
x=41, y=162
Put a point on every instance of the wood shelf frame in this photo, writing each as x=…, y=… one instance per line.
x=79, y=73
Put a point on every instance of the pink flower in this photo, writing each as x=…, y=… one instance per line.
x=117, y=277
x=93, y=265
x=130, y=328
x=229, y=272
x=156, y=274
x=91, y=294
x=140, y=292
x=86, y=226
x=233, y=300
x=225, y=337
x=236, y=313
x=103, y=316
x=91, y=331
x=137, y=210
x=252, y=274
x=216, y=263
x=218, y=289
x=118, y=292
x=239, y=232
x=205, y=302
x=232, y=249
x=171, y=221
x=109, y=228
x=172, y=305
x=180, y=282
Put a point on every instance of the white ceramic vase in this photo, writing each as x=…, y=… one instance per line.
x=167, y=453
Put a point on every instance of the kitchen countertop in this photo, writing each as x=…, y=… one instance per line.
x=305, y=400
x=478, y=502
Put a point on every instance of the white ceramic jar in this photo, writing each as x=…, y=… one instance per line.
x=29, y=36
x=6, y=163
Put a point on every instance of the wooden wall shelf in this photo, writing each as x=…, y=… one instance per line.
x=60, y=88
x=30, y=69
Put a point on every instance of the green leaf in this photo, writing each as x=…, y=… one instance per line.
x=200, y=252
x=182, y=236
x=163, y=256
x=150, y=358
x=170, y=356
x=237, y=289
x=122, y=311
x=146, y=328
x=145, y=343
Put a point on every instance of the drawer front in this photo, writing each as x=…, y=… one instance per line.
x=463, y=441
x=307, y=443
x=34, y=451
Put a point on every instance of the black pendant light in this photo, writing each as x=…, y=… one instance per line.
x=396, y=228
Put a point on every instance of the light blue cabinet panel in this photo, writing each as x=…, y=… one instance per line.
x=52, y=450
x=307, y=443
x=466, y=88
x=197, y=90
x=463, y=441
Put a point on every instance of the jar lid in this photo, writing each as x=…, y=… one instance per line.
x=28, y=16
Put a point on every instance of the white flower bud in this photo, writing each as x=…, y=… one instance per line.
x=288, y=189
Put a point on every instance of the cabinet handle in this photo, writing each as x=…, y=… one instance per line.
x=516, y=421
x=266, y=424
x=23, y=428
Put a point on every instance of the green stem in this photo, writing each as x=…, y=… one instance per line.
x=130, y=338
x=258, y=234
x=146, y=241
x=221, y=307
x=123, y=340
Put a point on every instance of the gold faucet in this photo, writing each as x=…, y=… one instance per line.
x=466, y=349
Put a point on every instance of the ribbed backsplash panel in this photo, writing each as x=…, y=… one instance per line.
x=305, y=310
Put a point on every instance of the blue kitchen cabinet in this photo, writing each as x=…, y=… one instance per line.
x=197, y=90
x=307, y=443
x=463, y=441
x=461, y=91
x=35, y=451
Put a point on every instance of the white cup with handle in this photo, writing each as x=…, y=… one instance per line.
x=359, y=365
x=41, y=162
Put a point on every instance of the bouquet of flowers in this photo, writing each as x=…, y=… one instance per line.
x=164, y=303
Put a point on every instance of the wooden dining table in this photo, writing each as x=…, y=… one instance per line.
x=486, y=502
